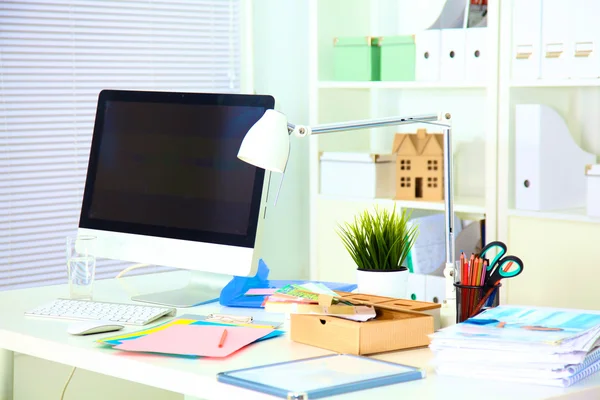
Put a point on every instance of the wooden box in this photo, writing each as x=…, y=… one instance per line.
x=399, y=325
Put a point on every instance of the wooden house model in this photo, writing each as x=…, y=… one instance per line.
x=419, y=166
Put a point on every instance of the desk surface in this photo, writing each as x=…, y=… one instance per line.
x=47, y=339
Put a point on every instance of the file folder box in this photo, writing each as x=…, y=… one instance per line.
x=435, y=289
x=398, y=58
x=549, y=170
x=356, y=58
x=585, y=62
x=476, y=55
x=526, y=39
x=359, y=175
x=415, y=289
x=394, y=328
x=453, y=55
x=556, y=40
x=428, y=46
x=592, y=173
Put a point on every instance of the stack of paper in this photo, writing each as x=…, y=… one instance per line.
x=522, y=344
x=315, y=298
x=190, y=336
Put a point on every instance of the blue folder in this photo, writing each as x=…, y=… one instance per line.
x=233, y=294
x=317, y=377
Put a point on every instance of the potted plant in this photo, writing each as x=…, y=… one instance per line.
x=379, y=243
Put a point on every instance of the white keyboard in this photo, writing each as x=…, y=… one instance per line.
x=127, y=314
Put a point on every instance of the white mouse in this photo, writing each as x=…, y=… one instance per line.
x=90, y=327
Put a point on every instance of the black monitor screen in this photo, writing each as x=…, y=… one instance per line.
x=165, y=164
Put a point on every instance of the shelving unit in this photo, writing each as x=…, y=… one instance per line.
x=559, y=247
x=473, y=106
x=399, y=85
x=462, y=205
x=558, y=83
x=572, y=215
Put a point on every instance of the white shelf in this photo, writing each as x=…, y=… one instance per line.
x=574, y=215
x=399, y=85
x=555, y=83
x=466, y=205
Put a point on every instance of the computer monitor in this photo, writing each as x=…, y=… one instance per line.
x=164, y=186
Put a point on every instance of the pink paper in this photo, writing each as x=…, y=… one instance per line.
x=260, y=292
x=199, y=340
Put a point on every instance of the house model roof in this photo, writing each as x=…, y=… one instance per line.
x=419, y=144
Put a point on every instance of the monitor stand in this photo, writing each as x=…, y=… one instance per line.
x=203, y=287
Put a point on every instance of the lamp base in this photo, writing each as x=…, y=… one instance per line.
x=448, y=313
x=448, y=310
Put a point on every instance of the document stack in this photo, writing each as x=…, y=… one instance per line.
x=556, y=347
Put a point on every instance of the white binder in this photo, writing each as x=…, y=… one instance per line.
x=476, y=55
x=585, y=61
x=453, y=55
x=526, y=39
x=415, y=288
x=550, y=166
x=435, y=289
x=556, y=39
x=428, y=51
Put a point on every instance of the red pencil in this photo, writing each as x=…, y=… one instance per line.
x=223, y=337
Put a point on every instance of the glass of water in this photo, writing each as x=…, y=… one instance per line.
x=81, y=266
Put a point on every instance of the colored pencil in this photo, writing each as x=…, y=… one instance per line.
x=223, y=337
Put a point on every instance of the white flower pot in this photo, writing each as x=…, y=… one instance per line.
x=383, y=283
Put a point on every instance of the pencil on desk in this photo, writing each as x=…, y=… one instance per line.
x=223, y=337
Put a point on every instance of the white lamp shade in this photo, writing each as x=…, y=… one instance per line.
x=267, y=143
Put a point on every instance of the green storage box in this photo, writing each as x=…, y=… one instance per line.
x=397, y=58
x=356, y=58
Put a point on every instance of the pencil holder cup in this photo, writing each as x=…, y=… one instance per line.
x=471, y=300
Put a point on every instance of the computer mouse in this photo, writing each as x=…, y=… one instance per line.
x=90, y=327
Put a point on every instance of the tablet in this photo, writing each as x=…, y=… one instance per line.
x=318, y=377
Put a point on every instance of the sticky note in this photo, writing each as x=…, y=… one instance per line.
x=199, y=340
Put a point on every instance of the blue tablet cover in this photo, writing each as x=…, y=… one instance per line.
x=319, y=377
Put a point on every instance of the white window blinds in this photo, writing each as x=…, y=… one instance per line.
x=55, y=57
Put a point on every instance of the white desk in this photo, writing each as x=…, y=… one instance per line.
x=47, y=339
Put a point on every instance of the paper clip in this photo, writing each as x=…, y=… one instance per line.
x=226, y=318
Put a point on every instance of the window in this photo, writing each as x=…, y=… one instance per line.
x=55, y=57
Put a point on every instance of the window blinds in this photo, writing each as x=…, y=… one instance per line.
x=55, y=57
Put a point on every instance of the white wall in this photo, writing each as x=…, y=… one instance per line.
x=281, y=70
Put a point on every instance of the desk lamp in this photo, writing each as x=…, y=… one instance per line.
x=267, y=146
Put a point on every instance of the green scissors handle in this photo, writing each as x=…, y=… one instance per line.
x=508, y=267
x=501, y=247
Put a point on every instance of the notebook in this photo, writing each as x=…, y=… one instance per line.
x=565, y=381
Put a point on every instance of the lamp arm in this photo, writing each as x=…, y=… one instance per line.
x=448, y=311
x=448, y=314
x=301, y=130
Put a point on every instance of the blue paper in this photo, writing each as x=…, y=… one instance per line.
x=233, y=294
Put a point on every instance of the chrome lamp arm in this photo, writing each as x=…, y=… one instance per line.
x=266, y=145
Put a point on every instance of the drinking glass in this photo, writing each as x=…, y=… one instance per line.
x=81, y=266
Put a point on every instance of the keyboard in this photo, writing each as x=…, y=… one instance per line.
x=126, y=314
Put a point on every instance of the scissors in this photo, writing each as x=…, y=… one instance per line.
x=501, y=266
